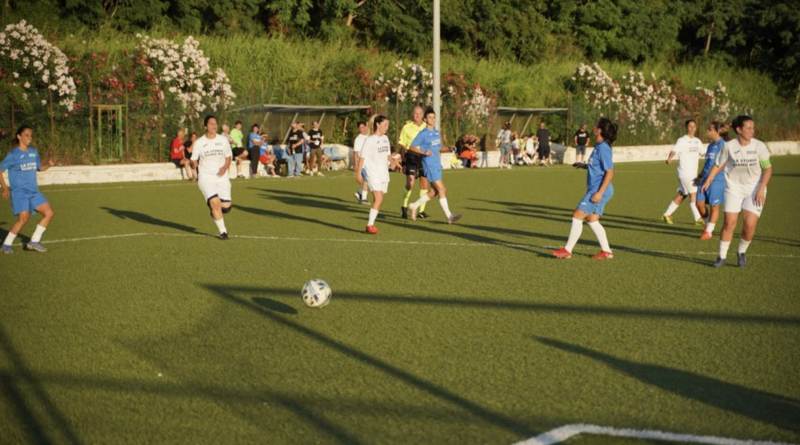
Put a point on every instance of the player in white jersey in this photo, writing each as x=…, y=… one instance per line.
x=363, y=132
x=688, y=149
x=376, y=157
x=213, y=153
x=747, y=173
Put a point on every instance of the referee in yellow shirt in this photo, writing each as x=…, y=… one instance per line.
x=412, y=162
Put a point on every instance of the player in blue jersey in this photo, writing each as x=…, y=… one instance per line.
x=428, y=143
x=599, y=191
x=714, y=196
x=22, y=163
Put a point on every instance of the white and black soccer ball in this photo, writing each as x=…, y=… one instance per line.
x=316, y=293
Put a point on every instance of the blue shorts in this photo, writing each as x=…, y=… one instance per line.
x=364, y=172
x=590, y=207
x=25, y=201
x=433, y=173
x=714, y=196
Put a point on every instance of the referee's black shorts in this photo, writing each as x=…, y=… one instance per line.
x=412, y=165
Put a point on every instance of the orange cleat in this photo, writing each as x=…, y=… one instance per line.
x=603, y=255
x=372, y=230
x=706, y=236
x=562, y=253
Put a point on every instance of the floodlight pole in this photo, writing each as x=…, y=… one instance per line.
x=437, y=69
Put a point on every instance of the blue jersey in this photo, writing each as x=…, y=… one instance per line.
x=599, y=162
x=250, y=138
x=429, y=140
x=22, y=167
x=713, y=151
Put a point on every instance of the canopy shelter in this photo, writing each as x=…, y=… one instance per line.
x=520, y=119
x=276, y=119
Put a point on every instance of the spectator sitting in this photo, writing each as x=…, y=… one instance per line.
x=188, y=146
x=468, y=154
x=529, y=153
x=178, y=157
x=515, y=147
x=267, y=158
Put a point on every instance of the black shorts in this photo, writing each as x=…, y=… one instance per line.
x=237, y=151
x=544, y=152
x=177, y=162
x=412, y=165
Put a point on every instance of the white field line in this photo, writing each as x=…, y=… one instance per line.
x=377, y=241
x=565, y=432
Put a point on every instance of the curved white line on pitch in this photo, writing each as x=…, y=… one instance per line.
x=377, y=241
x=565, y=432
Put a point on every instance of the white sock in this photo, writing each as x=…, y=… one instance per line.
x=443, y=203
x=37, y=234
x=221, y=225
x=710, y=228
x=695, y=212
x=422, y=200
x=600, y=233
x=574, y=234
x=373, y=214
x=9, y=239
x=743, y=245
x=723, y=248
x=671, y=209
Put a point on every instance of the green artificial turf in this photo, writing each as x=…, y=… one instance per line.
x=436, y=334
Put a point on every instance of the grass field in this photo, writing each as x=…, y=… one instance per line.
x=139, y=327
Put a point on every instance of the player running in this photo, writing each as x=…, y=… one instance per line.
x=747, y=173
x=22, y=163
x=688, y=149
x=213, y=153
x=715, y=195
x=412, y=162
x=599, y=191
x=428, y=143
x=363, y=132
x=376, y=156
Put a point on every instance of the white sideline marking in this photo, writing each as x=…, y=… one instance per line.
x=376, y=241
x=565, y=432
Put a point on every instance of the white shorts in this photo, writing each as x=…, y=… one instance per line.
x=381, y=186
x=735, y=203
x=686, y=186
x=211, y=186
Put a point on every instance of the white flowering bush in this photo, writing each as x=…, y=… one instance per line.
x=185, y=72
x=645, y=102
x=411, y=83
x=33, y=65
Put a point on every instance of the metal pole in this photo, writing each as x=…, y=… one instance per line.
x=437, y=69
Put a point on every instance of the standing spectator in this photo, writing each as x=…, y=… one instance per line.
x=254, y=150
x=237, y=136
x=294, y=151
x=176, y=155
x=581, y=139
x=316, y=138
x=543, y=137
x=503, y=141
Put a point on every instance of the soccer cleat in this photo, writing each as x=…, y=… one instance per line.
x=667, y=219
x=320, y=174
x=404, y=212
x=413, y=212
x=223, y=236
x=742, y=260
x=719, y=263
x=562, y=253
x=453, y=219
x=422, y=215
x=700, y=222
x=358, y=197
x=706, y=236
x=372, y=230
x=36, y=246
x=7, y=249
x=603, y=255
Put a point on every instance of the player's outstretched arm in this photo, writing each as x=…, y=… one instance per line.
x=50, y=163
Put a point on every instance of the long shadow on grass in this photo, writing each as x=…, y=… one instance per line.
x=612, y=311
x=479, y=412
x=147, y=219
x=288, y=216
x=309, y=200
x=761, y=406
x=17, y=384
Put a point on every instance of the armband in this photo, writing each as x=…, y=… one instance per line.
x=766, y=163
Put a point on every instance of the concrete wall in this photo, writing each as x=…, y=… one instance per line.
x=92, y=174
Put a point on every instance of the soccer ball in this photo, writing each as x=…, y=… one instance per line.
x=316, y=293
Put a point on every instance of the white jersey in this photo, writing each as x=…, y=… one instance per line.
x=504, y=136
x=529, y=146
x=375, y=153
x=359, y=142
x=688, y=150
x=742, y=165
x=211, y=153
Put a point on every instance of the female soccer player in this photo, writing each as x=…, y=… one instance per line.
x=747, y=173
x=375, y=158
x=428, y=143
x=599, y=191
x=213, y=152
x=687, y=148
x=22, y=163
x=715, y=195
x=363, y=133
